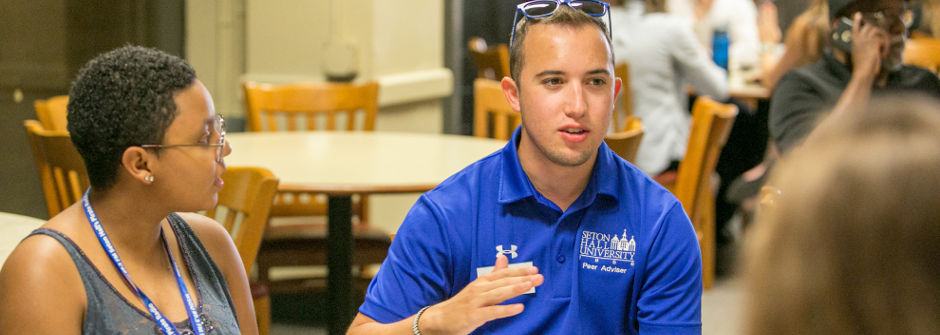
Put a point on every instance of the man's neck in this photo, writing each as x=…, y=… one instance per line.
x=561, y=185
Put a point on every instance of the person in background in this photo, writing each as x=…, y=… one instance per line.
x=850, y=244
x=663, y=58
x=806, y=39
x=596, y=246
x=126, y=259
x=736, y=18
x=850, y=73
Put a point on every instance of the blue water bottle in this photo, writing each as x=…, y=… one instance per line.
x=720, y=42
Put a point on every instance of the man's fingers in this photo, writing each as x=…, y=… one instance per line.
x=501, y=262
x=508, y=281
x=506, y=292
x=501, y=311
x=509, y=272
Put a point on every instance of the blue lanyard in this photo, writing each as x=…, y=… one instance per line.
x=167, y=327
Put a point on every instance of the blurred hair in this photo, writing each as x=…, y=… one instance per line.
x=123, y=98
x=564, y=15
x=810, y=30
x=850, y=245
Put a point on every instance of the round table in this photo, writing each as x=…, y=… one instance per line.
x=339, y=164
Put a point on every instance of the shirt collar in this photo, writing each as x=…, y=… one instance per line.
x=514, y=184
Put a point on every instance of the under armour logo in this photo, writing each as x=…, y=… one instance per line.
x=511, y=252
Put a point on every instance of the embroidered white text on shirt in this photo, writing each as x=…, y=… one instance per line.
x=608, y=247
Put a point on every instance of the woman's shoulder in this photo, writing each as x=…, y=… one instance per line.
x=214, y=238
x=211, y=233
x=41, y=271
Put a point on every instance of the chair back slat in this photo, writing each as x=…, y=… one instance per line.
x=61, y=169
x=493, y=117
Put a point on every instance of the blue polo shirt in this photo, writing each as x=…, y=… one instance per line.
x=623, y=259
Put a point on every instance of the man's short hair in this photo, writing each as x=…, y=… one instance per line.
x=120, y=99
x=564, y=15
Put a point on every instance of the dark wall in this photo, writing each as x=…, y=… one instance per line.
x=43, y=43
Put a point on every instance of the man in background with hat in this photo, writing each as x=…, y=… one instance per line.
x=863, y=60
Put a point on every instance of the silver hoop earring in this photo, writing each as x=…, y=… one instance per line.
x=149, y=178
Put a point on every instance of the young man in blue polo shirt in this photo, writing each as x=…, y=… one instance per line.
x=592, y=245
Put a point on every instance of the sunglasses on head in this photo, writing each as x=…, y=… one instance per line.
x=544, y=8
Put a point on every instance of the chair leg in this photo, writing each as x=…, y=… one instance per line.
x=708, y=243
x=262, y=302
x=263, y=314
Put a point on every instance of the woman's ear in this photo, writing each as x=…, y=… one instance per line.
x=136, y=161
x=511, y=90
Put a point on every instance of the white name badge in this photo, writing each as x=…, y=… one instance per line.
x=487, y=269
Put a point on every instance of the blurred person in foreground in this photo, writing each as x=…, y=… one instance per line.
x=127, y=259
x=865, y=65
x=850, y=245
x=595, y=245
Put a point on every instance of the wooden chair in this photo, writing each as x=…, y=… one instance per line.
x=625, y=98
x=61, y=169
x=923, y=52
x=309, y=107
x=243, y=207
x=491, y=62
x=711, y=123
x=51, y=112
x=492, y=115
x=627, y=142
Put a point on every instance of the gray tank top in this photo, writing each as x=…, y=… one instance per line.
x=109, y=313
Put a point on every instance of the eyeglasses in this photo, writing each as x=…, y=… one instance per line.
x=217, y=125
x=543, y=8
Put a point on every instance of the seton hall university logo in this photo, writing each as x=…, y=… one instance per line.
x=608, y=247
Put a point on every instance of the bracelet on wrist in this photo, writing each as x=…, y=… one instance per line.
x=414, y=324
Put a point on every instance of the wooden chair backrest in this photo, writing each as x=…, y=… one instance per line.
x=52, y=112
x=491, y=62
x=626, y=143
x=492, y=115
x=311, y=106
x=923, y=52
x=243, y=208
x=625, y=98
x=711, y=124
x=61, y=169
